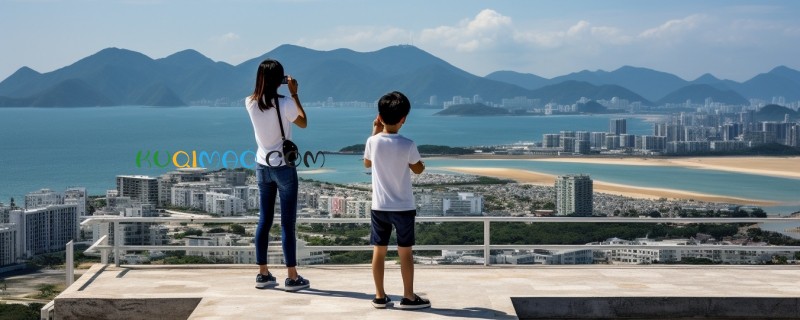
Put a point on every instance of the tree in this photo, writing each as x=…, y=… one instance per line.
x=758, y=213
x=46, y=290
x=237, y=229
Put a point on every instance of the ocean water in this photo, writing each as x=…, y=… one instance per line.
x=57, y=148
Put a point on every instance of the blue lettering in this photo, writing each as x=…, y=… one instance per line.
x=242, y=159
x=213, y=159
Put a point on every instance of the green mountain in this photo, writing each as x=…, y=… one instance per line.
x=774, y=112
x=129, y=78
x=116, y=76
x=526, y=80
x=648, y=83
x=568, y=92
x=697, y=93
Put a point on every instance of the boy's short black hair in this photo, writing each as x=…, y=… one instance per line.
x=392, y=107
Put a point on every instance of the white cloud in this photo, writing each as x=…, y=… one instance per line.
x=359, y=38
x=484, y=30
x=226, y=38
x=581, y=33
x=674, y=28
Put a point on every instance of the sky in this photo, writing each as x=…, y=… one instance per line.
x=728, y=38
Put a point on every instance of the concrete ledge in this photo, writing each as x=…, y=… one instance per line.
x=655, y=308
x=104, y=308
x=496, y=292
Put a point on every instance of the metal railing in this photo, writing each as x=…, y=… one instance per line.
x=102, y=243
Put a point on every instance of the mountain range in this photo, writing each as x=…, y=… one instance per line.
x=116, y=76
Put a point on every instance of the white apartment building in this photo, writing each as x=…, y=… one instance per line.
x=43, y=198
x=133, y=233
x=462, y=203
x=76, y=196
x=4, y=211
x=232, y=249
x=44, y=230
x=733, y=254
x=8, y=244
x=579, y=256
x=223, y=204
x=359, y=208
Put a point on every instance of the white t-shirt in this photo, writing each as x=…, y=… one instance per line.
x=268, y=133
x=391, y=177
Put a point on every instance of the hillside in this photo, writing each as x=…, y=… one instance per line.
x=774, y=112
x=116, y=76
x=569, y=92
x=697, y=93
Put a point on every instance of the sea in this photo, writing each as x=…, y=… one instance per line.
x=60, y=147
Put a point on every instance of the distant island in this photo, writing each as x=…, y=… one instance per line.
x=473, y=109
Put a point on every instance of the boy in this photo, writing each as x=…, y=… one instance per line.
x=390, y=156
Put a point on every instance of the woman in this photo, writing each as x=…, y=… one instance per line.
x=273, y=173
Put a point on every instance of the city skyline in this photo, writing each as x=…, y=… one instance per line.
x=730, y=39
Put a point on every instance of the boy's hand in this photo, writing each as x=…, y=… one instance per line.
x=377, y=126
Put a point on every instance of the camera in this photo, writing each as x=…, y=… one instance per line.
x=285, y=80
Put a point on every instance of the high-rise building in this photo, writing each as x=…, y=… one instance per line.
x=654, y=143
x=141, y=188
x=8, y=244
x=582, y=147
x=44, y=230
x=730, y=131
x=574, y=195
x=223, y=204
x=570, y=134
x=627, y=141
x=597, y=140
x=582, y=136
x=612, y=142
x=462, y=203
x=567, y=144
x=777, y=129
x=618, y=126
x=550, y=140
x=76, y=196
x=794, y=135
x=43, y=198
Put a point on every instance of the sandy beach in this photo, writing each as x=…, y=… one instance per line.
x=783, y=167
x=536, y=178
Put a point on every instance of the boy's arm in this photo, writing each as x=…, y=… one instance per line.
x=417, y=167
x=377, y=127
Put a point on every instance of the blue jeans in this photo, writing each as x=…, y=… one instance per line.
x=282, y=181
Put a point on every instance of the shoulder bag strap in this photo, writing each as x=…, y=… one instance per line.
x=280, y=120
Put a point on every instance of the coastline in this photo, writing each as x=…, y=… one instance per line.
x=536, y=178
x=777, y=166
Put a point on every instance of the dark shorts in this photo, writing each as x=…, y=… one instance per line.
x=403, y=222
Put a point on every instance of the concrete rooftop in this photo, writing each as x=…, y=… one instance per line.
x=344, y=292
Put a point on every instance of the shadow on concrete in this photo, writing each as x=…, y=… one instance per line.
x=476, y=312
x=335, y=293
x=93, y=278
